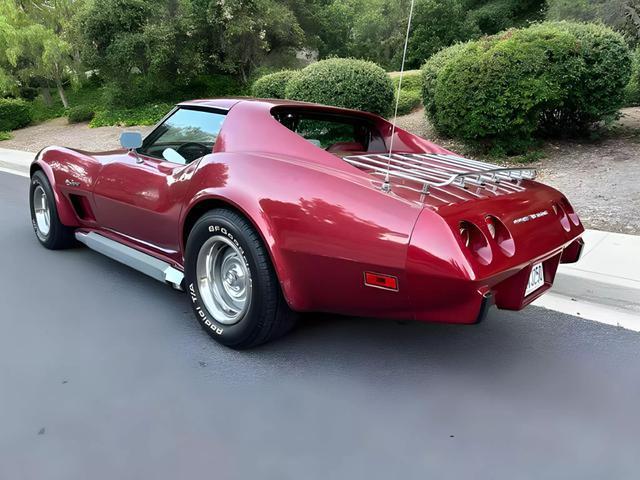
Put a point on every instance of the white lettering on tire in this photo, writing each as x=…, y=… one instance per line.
x=200, y=312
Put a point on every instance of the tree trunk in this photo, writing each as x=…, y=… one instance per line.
x=46, y=96
x=63, y=96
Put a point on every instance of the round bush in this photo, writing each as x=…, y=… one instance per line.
x=343, y=82
x=594, y=87
x=272, y=85
x=81, y=113
x=499, y=92
x=430, y=72
x=14, y=113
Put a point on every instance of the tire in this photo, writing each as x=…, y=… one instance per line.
x=55, y=236
x=239, y=303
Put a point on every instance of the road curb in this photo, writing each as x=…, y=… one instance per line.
x=607, y=274
x=15, y=160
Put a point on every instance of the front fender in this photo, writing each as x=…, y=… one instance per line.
x=66, y=213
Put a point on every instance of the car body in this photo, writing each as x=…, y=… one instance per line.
x=343, y=236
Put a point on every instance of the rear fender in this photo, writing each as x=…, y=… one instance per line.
x=263, y=226
x=322, y=229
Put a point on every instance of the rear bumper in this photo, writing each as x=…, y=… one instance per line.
x=506, y=290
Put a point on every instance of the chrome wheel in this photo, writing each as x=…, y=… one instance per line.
x=41, y=211
x=224, y=280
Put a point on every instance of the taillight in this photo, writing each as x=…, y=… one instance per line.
x=500, y=233
x=573, y=216
x=473, y=238
x=562, y=216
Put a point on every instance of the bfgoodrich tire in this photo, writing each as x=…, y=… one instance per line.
x=231, y=282
x=51, y=233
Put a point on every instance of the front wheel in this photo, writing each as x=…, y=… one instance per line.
x=231, y=282
x=51, y=233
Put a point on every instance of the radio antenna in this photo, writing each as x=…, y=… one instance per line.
x=386, y=186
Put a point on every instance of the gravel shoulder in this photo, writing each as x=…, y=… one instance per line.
x=74, y=135
x=600, y=177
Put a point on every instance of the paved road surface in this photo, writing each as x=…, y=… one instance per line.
x=105, y=375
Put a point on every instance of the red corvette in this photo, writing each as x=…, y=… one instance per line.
x=259, y=209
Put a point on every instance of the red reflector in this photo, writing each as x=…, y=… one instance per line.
x=379, y=280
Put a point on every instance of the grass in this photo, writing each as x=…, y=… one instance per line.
x=5, y=136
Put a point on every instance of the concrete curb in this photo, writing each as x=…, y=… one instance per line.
x=607, y=274
x=16, y=160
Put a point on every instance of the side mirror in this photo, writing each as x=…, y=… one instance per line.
x=170, y=155
x=131, y=140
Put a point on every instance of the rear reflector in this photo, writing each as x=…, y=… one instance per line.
x=378, y=280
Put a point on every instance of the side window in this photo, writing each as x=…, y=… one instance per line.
x=191, y=133
x=338, y=134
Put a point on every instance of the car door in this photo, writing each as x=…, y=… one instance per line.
x=140, y=194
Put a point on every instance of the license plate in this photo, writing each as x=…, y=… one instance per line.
x=536, y=279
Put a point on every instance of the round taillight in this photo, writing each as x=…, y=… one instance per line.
x=464, y=235
x=562, y=216
x=477, y=243
x=500, y=233
x=573, y=216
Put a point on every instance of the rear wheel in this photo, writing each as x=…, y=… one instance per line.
x=233, y=287
x=44, y=215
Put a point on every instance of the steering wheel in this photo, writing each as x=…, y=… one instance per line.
x=193, y=150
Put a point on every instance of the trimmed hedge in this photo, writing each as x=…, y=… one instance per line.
x=430, y=72
x=272, y=85
x=411, y=80
x=344, y=82
x=14, y=113
x=81, y=113
x=593, y=88
x=499, y=92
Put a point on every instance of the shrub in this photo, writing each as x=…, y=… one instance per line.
x=430, y=71
x=272, y=85
x=593, y=88
x=497, y=93
x=632, y=90
x=409, y=100
x=14, y=113
x=81, y=113
x=5, y=136
x=411, y=80
x=342, y=82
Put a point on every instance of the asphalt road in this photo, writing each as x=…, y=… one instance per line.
x=105, y=375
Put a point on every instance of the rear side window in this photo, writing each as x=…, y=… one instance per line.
x=335, y=133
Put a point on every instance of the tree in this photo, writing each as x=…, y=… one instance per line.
x=240, y=33
x=34, y=44
x=621, y=15
x=438, y=24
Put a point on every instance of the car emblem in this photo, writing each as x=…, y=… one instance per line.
x=533, y=216
x=71, y=183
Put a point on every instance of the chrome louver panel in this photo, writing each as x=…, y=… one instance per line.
x=437, y=171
